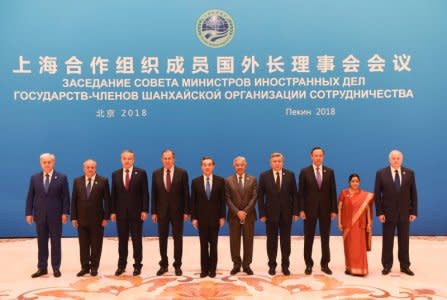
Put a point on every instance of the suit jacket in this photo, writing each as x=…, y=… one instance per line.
x=94, y=209
x=236, y=201
x=208, y=212
x=273, y=203
x=312, y=198
x=52, y=204
x=130, y=204
x=176, y=202
x=392, y=203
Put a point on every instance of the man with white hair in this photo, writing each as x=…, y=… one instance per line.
x=240, y=195
x=48, y=205
x=396, y=206
x=90, y=211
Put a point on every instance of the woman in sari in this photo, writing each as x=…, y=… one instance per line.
x=355, y=222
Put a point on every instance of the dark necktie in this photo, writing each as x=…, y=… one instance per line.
x=208, y=188
x=168, y=180
x=397, y=180
x=127, y=180
x=89, y=187
x=46, y=184
x=241, y=186
x=278, y=182
x=318, y=177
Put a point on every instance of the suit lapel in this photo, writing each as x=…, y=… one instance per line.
x=175, y=177
x=213, y=187
x=84, y=188
x=246, y=182
x=133, y=178
x=202, y=186
x=235, y=183
x=404, y=177
x=54, y=177
x=94, y=186
x=284, y=178
x=312, y=174
x=121, y=179
x=272, y=179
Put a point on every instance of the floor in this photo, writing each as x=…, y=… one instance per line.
x=18, y=258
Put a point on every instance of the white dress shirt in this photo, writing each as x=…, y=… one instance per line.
x=124, y=174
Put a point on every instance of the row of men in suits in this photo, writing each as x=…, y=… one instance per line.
x=279, y=203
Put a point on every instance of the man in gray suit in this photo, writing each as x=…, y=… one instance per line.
x=240, y=195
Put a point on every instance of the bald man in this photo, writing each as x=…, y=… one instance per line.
x=89, y=214
x=396, y=206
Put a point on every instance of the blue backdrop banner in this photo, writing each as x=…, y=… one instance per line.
x=87, y=79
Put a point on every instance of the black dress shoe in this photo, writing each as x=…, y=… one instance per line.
x=286, y=271
x=203, y=274
x=39, y=273
x=162, y=270
x=272, y=271
x=248, y=270
x=178, y=272
x=94, y=272
x=347, y=272
x=212, y=274
x=386, y=271
x=119, y=271
x=235, y=270
x=136, y=271
x=308, y=270
x=326, y=270
x=83, y=272
x=57, y=273
x=407, y=271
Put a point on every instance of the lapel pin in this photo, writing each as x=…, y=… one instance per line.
x=135, y=172
x=324, y=171
x=96, y=182
x=55, y=177
x=403, y=172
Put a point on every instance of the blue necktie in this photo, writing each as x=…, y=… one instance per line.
x=47, y=182
x=208, y=188
x=397, y=181
x=89, y=187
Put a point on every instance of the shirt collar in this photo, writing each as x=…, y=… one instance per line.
x=130, y=170
x=93, y=178
x=315, y=167
x=50, y=173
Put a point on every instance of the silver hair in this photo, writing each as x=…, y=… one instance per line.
x=239, y=158
x=48, y=155
x=276, y=154
x=395, y=151
x=89, y=160
x=126, y=151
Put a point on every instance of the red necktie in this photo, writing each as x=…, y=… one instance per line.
x=168, y=180
x=127, y=180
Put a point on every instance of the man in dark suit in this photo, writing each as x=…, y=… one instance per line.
x=170, y=200
x=208, y=214
x=90, y=210
x=278, y=203
x=130, y=206
x=48, y=205
x=240, y=195
x=318, y=201
x=396, y=206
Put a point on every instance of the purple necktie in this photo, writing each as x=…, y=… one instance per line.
x=318, y=178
